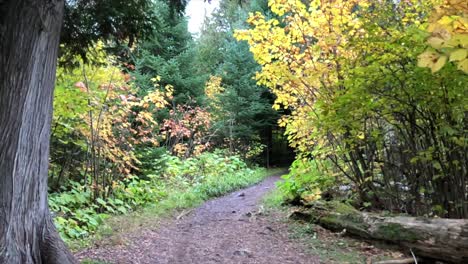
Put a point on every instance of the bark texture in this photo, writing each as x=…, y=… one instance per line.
x=434, y=238
x=29, y=38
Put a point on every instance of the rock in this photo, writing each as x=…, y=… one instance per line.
x=243, y=253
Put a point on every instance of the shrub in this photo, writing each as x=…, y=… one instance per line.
x=305, y=182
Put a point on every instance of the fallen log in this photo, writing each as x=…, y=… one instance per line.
x=433, y=238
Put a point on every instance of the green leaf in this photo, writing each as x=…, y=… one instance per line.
x=122, y=209
x=101, y=201
x=436, y=165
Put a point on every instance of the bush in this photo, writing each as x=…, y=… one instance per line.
x=151, y=160
x=305, y=182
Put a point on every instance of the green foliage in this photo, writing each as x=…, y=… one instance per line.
x=168, y=53
x=151, y=160
x=121, y=24
x=78, y=215
x=305, y=182
x=75, y=213
x=273, y=200
x=86, y=22
x=175, y=184
x=241, y=109
x=210, y=174
x=244, y=103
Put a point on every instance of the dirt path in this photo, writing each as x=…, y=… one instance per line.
x=230, y=229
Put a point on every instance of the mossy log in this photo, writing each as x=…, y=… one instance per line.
x=433, y=238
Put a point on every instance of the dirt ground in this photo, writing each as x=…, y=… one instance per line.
x=230, y=229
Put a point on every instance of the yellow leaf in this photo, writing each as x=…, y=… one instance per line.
x=361, y=135
x=458, y=40
x=445, y=20
x=435, y=42
x=463, y=65
x=458, y=55
x=439, y=64
x=427, y=59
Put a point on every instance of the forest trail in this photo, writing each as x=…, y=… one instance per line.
x=230, y=229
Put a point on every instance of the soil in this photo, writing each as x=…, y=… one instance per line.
x=230, y=229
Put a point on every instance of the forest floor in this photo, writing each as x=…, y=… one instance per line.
x=235, y=228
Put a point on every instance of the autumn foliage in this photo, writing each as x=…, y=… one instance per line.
x=99, y=121
x=361, y=107
x=187, y=131
x=448, y=25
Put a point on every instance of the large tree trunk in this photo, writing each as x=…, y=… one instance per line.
x=29, y=39
x=433, y=238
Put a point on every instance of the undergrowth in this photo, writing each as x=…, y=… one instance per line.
x=175, y=185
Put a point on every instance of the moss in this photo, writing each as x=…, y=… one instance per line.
x=347, y=216
x=396, y=232
x=337, y=216
x=342, y=208
x=345, y=213
x=352, y=222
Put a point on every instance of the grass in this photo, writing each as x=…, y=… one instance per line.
x=176, y=202
x=329, y=247
x=273, y=200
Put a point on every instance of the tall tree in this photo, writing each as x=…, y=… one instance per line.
x=169, y=54
x=29, y=41
x=30, y=35
x=243, y=110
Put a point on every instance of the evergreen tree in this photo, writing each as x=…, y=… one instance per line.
x=245, y=116
x=169, y=54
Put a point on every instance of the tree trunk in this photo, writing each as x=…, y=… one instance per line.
x=29, y=38
x=433, y=238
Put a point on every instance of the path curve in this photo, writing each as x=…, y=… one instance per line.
x=230, y=229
